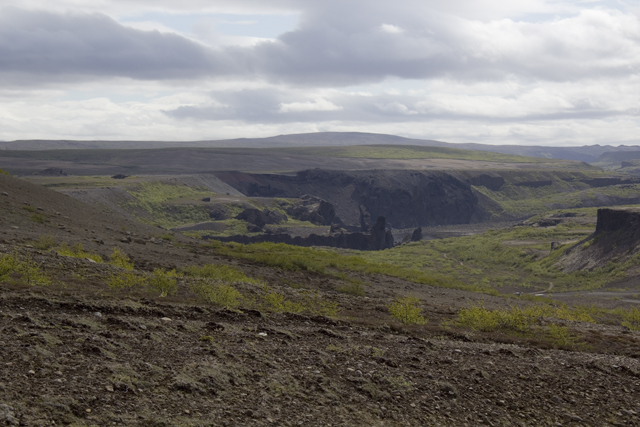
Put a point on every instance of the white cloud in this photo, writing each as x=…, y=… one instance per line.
x=317, y=104
x=391, y=29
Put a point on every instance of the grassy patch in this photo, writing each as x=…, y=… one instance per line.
x=220, y=294
x=120, y=259
x=77, y=251
x=23, y=270
x=415, y=152
x=327, y=261
x=407, y=310
x=159, y=201
x=220, y=273
x=165, y=282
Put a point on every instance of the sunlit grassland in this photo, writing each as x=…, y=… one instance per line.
x=564, y=192
x=332, y=262
x=415, y=152
x=515, y=258
x=154, y=198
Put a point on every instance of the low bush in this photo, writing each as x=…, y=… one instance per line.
x=23, y=271
x=77, y=251
x=219, y=294
x=407, y=310
x=222, y=273
x=45, y=242
x=356, y=289
x=163, y=281
x=126, y=280
x=120, y=259
x=631, y=318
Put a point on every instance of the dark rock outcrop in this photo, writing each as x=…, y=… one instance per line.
x=534, y=184
x=379, y=238
x=312, y=209
x=261, y=218
x=617, y=236
x=493, y=183
x=51, y=172
x=407, y=199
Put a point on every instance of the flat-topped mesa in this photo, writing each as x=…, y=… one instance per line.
x=617, y=236
x=618, y=219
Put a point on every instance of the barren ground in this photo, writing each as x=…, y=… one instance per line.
x=79, y=353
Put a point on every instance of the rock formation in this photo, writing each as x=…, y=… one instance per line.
x=379, y=238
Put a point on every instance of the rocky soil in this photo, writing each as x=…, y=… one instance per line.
x=78, y=353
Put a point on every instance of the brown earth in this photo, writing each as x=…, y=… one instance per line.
x=79, y=353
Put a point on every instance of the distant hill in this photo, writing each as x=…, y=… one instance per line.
x=322, y=139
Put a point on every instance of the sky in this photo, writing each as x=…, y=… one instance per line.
x=528, y=72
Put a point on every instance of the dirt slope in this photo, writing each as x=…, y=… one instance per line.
x=77, y=353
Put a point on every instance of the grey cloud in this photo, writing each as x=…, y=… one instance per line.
x=63, y=47
x=335, y=44
x=264, y=106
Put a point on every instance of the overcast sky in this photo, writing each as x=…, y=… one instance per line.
x=544, y=72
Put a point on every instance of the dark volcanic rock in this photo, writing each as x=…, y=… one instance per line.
x=313, y=209
x=379, y=238
x=405, y=198
x=261, y=218
x=617, y=235
x=51, y=172
x=493, y=183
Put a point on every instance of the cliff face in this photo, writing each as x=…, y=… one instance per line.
x=407, y=199
x=617, y=235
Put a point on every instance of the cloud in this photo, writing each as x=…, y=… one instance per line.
x=356, y=46
x=317, y=104
x=41, y=46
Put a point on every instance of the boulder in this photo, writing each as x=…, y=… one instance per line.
x=261, y=218
x=312, y=209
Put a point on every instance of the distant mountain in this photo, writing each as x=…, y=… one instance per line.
x=585, y=153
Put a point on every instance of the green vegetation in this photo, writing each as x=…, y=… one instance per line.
x=219, y=294
x=120, y=259
x=161, y=202
x=165, y=282
x=4, y=172
x=220, y=273
x=45, y=242
x=77, y=251
x=327, y=261
x=511, y=257
x=354, y=288
x=630, y=318
x=21, y=270
x=37, y=217
x=415, y=152
x=126, y=280
x=519, y=196
x=407, y=310
x=311, y=303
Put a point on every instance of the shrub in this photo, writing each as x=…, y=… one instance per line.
x=77, y=251
x=24, y=271
x=216, y=293
x=119, y=259
x=356, y=289
x=276, y=302
x=44, y=242
x=631, y=318
x=4, y=172
x=36, y=217
x=222, y=273
x=166, y=236
x=126, y=280
x=164, y=281
x=407, y=310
